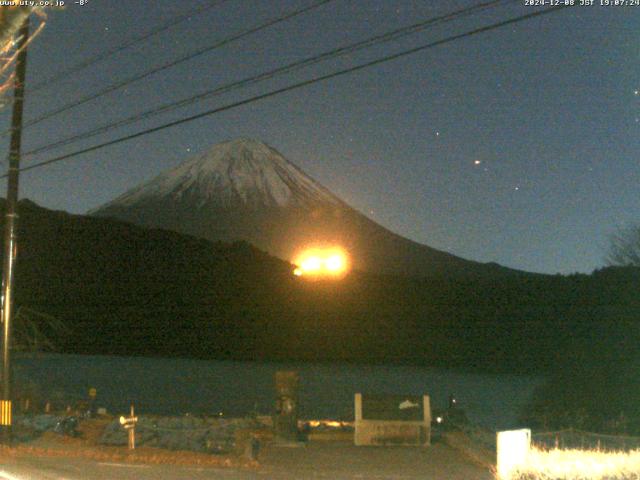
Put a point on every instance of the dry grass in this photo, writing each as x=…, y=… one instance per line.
x=144, y=455
x=87, y=446
x=580, y=465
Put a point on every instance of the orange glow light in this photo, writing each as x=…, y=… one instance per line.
x=319, y=262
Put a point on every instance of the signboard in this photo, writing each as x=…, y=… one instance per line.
x=392, y=420
x=409, y=408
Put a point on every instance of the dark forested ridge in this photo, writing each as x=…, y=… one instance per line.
x=128, y=290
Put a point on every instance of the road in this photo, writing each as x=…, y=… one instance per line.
x=319, y=460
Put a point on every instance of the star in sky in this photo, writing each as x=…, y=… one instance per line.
x=319, y=133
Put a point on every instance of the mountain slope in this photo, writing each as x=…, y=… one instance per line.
x=127, y=290
x=123, y=289
x=246, y=190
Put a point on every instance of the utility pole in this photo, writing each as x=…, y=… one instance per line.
x=9, y=229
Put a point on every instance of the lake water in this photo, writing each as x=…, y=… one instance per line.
x=178, y=386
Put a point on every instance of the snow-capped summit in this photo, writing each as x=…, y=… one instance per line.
x=242, y=173
x=245, y=190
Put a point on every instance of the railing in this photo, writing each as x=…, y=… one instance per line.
x=567, y=454
x=578, y=439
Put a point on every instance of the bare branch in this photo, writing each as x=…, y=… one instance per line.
x=624, y=248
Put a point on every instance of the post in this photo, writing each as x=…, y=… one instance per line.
x=9, y=229
x=426, y=405
x=285, y=421
x=132, y=432
x=358, y=407
x=92, y=402
x=130, y=425
x=512, y=451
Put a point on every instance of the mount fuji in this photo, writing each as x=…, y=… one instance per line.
x=245, y=190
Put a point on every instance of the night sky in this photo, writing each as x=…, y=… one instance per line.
x=519, y=146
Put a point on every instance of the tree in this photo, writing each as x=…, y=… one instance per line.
x=624, y=249
x=36, y=331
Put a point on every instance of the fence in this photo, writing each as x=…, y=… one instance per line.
x=578, y=439
x=568, y=454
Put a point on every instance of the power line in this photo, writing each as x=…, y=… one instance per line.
x=173, y=63
x=369, y=42
x=119, y=48
x=298, y=85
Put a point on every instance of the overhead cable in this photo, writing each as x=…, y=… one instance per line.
x=298, y=85
x=367, y=43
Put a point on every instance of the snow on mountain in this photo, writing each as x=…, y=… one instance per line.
x=238, y=173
